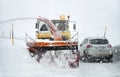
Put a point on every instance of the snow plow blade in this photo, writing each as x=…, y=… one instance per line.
x=52, y=45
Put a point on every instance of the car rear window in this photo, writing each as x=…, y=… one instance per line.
x=99, y=41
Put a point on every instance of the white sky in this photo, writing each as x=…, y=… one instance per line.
x=91, y=15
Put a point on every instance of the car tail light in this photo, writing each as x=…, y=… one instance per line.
x=88, y=46
x=109, y=46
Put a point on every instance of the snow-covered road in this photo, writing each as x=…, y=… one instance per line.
x=100, y=69
x=15, y=61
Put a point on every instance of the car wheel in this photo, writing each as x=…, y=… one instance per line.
x=110, y=58
x=85, y=56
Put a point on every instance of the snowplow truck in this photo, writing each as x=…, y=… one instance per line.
x=58, y=39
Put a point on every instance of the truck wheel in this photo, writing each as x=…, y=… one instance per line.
x=31, y=54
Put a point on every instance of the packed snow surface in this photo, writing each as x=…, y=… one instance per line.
x=15, y=61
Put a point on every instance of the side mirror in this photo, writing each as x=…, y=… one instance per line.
x=36, y=25
x=74, y=26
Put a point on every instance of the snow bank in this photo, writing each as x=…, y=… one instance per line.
x=15, y=61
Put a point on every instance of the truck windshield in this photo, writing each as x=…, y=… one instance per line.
x=61, y=25
x=99, y=41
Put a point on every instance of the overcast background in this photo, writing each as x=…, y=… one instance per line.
x=91, y=16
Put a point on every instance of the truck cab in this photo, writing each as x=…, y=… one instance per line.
x=63, y=26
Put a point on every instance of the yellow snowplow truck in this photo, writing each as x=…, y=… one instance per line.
x=63, y=26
